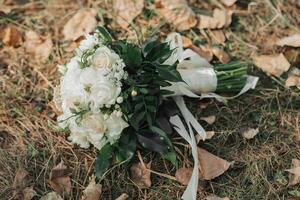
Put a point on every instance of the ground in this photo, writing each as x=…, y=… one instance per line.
x=29, y=136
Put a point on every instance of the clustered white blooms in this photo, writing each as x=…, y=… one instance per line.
x=90, y=93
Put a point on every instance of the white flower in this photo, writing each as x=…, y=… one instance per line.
x=104, y=58
x=89, y=42
x=115, y=126
x=78, y=136
x=105, y=92
x=94, y=125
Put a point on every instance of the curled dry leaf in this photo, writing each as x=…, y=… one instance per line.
x=140, y=174
x=250, y=133
x=12, y=37
x=217, y=36
x=28, y=193
x=294, y=172
x=203, y=52
x=92, y=191
x=272, y=64
x=40, y=48
x=228, y=2
x=222, y=56
x=211, y=166
x=51, y=196
x=20, y=182
x=293, y=78
x=60, y=180
x=123, y=196
x=177, y=12
x=210, y=119
x=127, y=10
x=293, y=41
x=220, y=19
x=84, y=21
x=183, y=175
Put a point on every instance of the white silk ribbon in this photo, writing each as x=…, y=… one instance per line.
x=200, y=82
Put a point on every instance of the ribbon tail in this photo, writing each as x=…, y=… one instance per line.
x=191, y=190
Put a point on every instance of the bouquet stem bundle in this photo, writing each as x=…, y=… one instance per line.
x=231, y=76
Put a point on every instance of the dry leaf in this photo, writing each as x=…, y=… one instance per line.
x=294, y=172
x=187, y=42
x=210, y=119
x=217, y=36
x=12, y=37
x=60, y=181
x=92, y=191
x=51, y=196
x=183, y=175
x=209, y=135
x=127, y=10
x=84, y=21
x=292, y=81
x=20, y=182
x=177, y=12
x=140, y=175
x=222, y=56
x=203, y=52
x=293, y=41
x=220, y=19
x=211, y=166
x=228, y=2
x=214, y=197
x=28, y=193
x=272, y=64
x=123, y=196
x=38, y=47
x=250, y=133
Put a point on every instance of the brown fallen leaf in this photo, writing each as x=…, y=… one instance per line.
x=228, y=2
x=127, y=10
x=210, y=119
x=217, y=36
x=92, y=191
x=28, y=193
x=187, y=42
x=12, y=37
x=211, y=166
x=294, y=172
x=204, y=52
x=209, y=135
x=60, y=180
x=183, y=175
x=250, y=133
x=123, y=196
x=177, y=13
x=293, y=78
x=222, y=56
x=20, y=183
x=293, y=41
x=220, y=19
x=214, y=197
x=51, y=196
x=84, y=21
x=272, y=64
x=40, y=48
x=140, y=175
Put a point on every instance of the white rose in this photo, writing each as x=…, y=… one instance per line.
x=105, y=92
x=89, y=42
x=78, y=136
x=104, y=58
x=115, y=126
x=94, y=124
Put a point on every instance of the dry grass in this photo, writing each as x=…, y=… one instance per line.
x=29, y=139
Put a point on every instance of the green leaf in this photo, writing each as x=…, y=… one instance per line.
x=105, y=35
x=162, y=134
x=103, y=160
x=126, y=146
x=171, y=156
x=136, y=119
x=169, y=74
x=149, y=45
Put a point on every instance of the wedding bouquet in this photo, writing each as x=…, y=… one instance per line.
x=120, y=96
